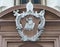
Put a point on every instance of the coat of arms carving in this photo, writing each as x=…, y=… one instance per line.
x=34, y=22
x=30, y=24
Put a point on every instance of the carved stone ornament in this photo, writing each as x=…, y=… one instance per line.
x=29, y=25
x=29, y=11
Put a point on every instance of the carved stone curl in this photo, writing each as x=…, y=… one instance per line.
x=35, y=14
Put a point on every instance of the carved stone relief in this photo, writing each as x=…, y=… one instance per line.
x=30, y=24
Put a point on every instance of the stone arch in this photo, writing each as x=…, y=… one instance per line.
x=23, y=7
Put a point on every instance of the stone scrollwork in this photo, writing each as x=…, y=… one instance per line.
x=19, y=26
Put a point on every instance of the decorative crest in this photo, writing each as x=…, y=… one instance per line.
x=30, y=24
x=29, y=6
